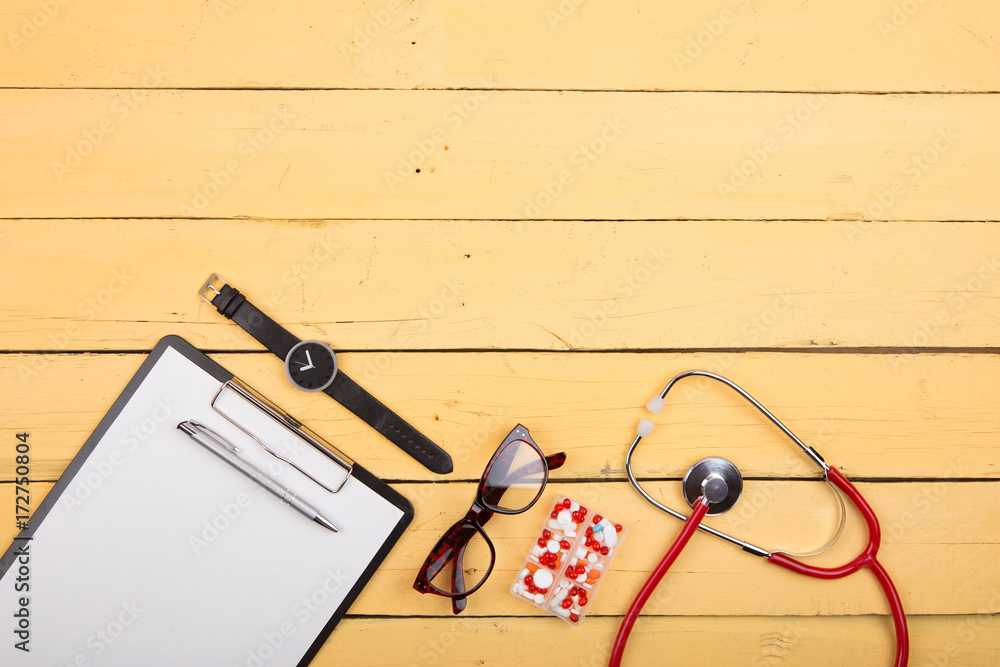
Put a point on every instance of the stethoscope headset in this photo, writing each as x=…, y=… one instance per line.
x=713, y=485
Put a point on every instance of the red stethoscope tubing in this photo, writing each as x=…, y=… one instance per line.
x=690, y=526
x=867, y=558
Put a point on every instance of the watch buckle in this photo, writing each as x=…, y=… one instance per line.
x=210, y=285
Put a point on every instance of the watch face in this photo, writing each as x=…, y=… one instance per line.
x=311, y=365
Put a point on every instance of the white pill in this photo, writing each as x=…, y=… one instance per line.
x=523, y=573
x=539, y=598
x=565, y=517
x=517, y=588
x=582, y=578
x=611, y=537
x=528, y=594
x=592, y=558
x=573, y=506
x=543, y=578
x=599, y=536
x=536, y=550
x=553, y=524
x=552, y=546
x=560, y=595
x=599, y=566
x=570, y=533
x=562, y=612
x=581, y=553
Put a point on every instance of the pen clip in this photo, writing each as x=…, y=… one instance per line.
x=286, y=420
x=201, y=428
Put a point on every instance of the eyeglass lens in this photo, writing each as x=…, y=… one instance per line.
x=516, y=479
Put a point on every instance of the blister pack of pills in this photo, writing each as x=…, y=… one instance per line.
x=569, y=560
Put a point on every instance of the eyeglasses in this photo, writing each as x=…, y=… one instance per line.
x=512, y=482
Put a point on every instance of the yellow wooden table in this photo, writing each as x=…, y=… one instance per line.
x=540, y=212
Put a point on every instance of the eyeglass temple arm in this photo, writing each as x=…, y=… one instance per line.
x=452, y=540
x=458, y=580
x=555, y=461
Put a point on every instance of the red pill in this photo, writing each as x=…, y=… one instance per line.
x=597, y=519
x=529, y=580
x=605, y=551
x=567, y=504
x=564, y=544
x=547, y=534
x=574, y=591
x=574, y=618
x=571, y=572
x=618, y=528
x=554, y=514
x=582, y=601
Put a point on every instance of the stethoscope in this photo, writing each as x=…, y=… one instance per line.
x=713, y=485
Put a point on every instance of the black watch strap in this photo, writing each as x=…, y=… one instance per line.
x=233, y=305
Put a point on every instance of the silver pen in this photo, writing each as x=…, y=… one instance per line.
x=229, y=453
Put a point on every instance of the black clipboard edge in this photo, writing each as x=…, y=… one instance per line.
x=66, y=478
x=222, y=375
x=407, y=508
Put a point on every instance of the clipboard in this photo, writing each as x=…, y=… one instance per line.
x=150, y=550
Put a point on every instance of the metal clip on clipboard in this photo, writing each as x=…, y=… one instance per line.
x=245, y=392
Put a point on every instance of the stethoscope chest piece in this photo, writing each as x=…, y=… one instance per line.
x=718, y=480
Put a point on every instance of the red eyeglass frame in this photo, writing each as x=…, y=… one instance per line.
x=450, y=548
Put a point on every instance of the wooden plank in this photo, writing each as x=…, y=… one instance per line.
x=503, y=285
x=756, y=641
x=509, y=155
x=930, y=416
x=650, y=44
x=932, y=543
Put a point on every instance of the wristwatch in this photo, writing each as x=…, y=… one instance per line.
x=311, y=365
